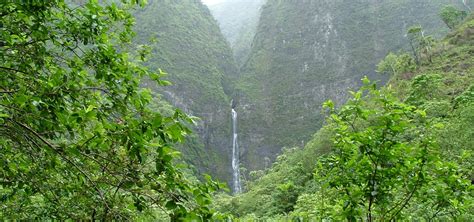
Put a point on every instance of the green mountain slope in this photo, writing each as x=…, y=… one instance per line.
x=306, y=52
x=444, y=88
x=198, y=60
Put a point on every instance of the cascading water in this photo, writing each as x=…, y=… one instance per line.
x=237, y=187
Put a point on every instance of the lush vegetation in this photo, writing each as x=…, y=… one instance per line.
x=401, y=152
x=85, y=133
x=79, y=137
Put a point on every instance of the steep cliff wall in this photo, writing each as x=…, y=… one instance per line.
x=308, y=51
x=198, y=60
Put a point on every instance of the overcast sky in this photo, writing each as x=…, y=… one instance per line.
x=211, y=2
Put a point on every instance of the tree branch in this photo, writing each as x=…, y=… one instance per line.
x=8, y=91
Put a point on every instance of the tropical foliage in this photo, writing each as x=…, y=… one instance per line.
x=386, y=159
x=78, y=137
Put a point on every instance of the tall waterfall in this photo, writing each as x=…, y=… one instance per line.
x=237, y=187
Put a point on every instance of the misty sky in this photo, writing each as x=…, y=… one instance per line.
x=211, y=2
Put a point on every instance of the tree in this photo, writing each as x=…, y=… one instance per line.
x=396, y=65
x=420, y=44
x=384, y=159
x=78, y=138
x=452, y=16
x=424, y=87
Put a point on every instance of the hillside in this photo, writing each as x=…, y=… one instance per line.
x=442, y=87
x=186, y=43
x=307, y=52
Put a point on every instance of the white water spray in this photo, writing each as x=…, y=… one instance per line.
x=237, y=187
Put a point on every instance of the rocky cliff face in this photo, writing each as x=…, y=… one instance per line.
x=305, y=52
x=191, y=49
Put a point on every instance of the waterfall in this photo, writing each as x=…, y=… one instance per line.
x=237, y=187
x=466, y=4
